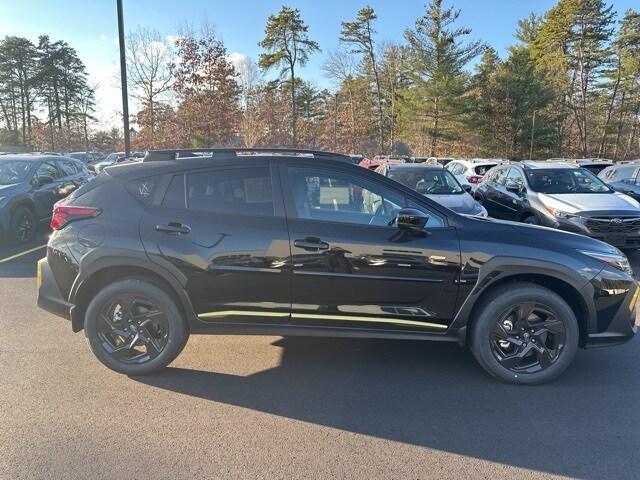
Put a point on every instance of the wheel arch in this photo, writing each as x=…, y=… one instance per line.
x=568, y=292
x=113, y=269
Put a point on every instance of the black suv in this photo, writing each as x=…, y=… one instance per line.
x=304, y=243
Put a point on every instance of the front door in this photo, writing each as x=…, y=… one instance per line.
x=352, y=269
x=225, y=230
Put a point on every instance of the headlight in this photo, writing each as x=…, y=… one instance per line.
x=616, y=260
x=561, y=213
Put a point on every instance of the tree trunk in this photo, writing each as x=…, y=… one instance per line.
x=619, y=129
x=610, y=111
x=294, y=116
x=434, y=127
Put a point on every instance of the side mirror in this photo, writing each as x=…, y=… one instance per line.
x=411, y=219
x=468, y=188
x=515, y=188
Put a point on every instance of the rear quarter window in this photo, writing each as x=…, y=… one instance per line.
x=232, y=190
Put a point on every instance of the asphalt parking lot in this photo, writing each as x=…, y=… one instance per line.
x=272, y=407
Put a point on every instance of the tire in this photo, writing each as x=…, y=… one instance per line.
x=493, y=324
x=129, y=308
x=23, y=225
x=531, y=220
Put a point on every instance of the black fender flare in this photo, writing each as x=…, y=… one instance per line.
x=101, y=259
x=500, y=268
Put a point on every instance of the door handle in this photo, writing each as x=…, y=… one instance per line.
x=174, y=227
x=312, y=244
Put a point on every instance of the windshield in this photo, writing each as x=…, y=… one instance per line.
x=427, y=181
x=13, y=171
x=565, y=180
x=112, y=157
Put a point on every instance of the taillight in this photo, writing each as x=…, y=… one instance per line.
x=474, y=179
x=64, y=214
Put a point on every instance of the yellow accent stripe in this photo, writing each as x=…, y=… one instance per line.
x=39, y=275
x=239, y=313
x=18, y=255
x=634, y=299
x=350, y=318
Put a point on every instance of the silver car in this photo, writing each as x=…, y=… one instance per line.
x=437, y=183
x=564, y=196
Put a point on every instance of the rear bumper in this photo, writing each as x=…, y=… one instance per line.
x=49, y=296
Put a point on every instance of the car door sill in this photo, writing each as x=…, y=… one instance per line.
x=220, y=328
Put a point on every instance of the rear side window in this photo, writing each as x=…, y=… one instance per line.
x=483, y=169
x=143, y=189
x=174, y=198
x=245, y=191
x=68, y=167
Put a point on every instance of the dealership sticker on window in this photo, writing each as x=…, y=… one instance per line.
x=334, y=195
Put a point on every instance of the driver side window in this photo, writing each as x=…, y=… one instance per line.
x=47, y=172
x=342, y=197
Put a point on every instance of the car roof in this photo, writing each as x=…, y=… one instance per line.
x=28, y=157
x=533, y=165
x=478, y=163
x=408, y=166
x=158, y=167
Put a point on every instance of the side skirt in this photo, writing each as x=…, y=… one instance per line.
x=312, y=331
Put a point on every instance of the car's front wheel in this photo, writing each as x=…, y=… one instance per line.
x=134, y=327
x=524, y=334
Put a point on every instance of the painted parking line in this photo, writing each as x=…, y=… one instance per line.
x=21, y=254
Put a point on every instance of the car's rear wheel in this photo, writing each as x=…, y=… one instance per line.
x=134, y=327
x=23, y=225
x=524, y=334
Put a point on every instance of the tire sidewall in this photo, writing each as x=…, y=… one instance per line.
x=15, y=217
x=500, y=301
x=176, y=325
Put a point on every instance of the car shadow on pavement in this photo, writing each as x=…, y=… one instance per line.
x=436, y=396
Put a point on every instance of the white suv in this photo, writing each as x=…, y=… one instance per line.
x=470, y=172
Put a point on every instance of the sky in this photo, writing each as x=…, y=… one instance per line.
x=90, y=26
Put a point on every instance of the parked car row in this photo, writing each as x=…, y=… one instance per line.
x=566, y=195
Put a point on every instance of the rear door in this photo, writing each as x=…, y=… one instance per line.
x=494, y=191
x=224, y=229
x=46, y=190
x=351, y=268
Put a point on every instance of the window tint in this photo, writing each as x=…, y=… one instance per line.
x=344, y=198
x=68, y=167
x=245, y=191
x=514, y=179
x=483, y=169
x=500, y=176
x=47, y=170
x=174, y=197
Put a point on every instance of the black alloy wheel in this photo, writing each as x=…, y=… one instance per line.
x=524, y=333
x=23, y=225
x=528, y=338
x=133, y=330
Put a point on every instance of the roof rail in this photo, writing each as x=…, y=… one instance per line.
x=174, y=154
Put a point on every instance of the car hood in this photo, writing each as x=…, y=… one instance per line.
x=584, y=202
x=459, y=203
x=537, y=235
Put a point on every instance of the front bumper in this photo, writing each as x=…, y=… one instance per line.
x=622, y=237
x=49, y=296
x=615, y=297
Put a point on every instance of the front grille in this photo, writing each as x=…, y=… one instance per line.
x=613, y=225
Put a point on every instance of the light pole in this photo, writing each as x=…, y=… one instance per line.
x=123, y=80
x=533, y=128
